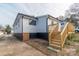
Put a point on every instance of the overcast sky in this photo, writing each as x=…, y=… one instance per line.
x=9, y=11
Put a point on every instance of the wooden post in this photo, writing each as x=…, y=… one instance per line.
x=25, y=37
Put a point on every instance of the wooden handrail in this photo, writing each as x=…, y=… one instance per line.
x=52, y=33
x=55, y=34
x=65, y=32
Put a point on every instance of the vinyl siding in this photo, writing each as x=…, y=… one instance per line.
x=18, y=27
x=42, y=24
x=27, y=27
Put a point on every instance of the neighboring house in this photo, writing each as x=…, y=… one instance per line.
x=27, y=27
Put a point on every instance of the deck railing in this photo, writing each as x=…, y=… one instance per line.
x=65, y=32
x=52, y=34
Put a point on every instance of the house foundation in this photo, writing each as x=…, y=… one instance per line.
x=25, y=37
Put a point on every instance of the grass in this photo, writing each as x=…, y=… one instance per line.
x=77, y=50
x=75, y=38
x=69, y=39
x=72, y=38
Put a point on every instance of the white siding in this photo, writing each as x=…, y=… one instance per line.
x=18, y=28
x=52, y=22
x=40, y=27
x=41, y=24
x=28, y=28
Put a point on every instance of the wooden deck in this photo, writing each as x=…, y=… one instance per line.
x=56, y=38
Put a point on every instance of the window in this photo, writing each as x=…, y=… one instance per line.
x=62, y=23
x=32, y=22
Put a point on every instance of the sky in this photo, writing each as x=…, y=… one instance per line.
x=9, y=11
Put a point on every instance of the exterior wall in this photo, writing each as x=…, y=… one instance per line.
x=33, y=35
x=28, y=28
x=19, y=36
x=52, y=21
x=42, y=24
x=17, y=27
x=40, y=30
x=43, y=35
x=42, y=27
x=49, y=22
x=24, y=30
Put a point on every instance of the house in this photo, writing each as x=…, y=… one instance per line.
x=26, y=27
x=45, y=27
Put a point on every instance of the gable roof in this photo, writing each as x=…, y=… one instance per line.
x=21, y=15
x=25, y=15
x=53, y=18
x=50, y=17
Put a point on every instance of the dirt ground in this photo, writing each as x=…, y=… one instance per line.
x=41, y=45
x=10, y=46
x=73, y=48
x=68, y=50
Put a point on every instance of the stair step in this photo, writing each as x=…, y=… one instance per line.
x=58, y=36
x=55, y=46
x=53, y=49
x=56, y=40
x=57, y=43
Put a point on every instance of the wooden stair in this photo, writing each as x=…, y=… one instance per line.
x=55, y=42
x=53, y=49
x=57, y=39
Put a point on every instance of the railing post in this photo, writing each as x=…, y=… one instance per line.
x=50, y=35
x=49, y=39
x=61, y=42
x=64, y=33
